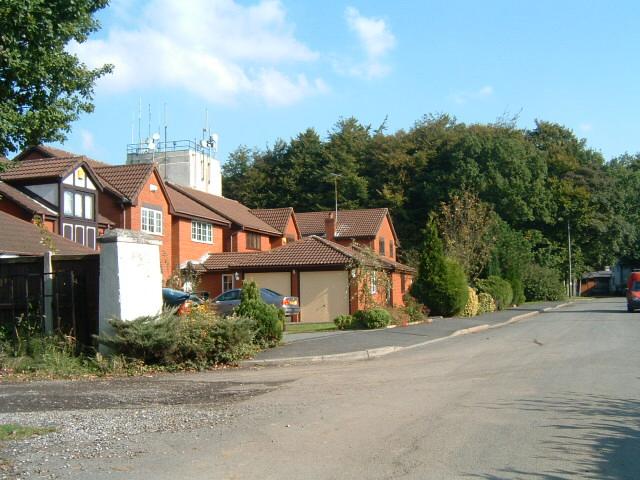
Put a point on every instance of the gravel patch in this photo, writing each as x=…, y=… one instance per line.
x=108, y=419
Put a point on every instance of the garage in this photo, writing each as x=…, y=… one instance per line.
x=323, y=295
x=277, y=281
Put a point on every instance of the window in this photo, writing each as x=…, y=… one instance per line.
x=88, y=207
x=391, y=249
x=227, y=282
x=77, y=205
x=68, y=203
x=151, y=221
x=229, y=296
x=373, y=281
x=201, y=232
x=381, y=246
x=253, y=241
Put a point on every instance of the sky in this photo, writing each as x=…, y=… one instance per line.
x=268, y=69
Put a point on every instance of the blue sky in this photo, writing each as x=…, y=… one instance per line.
x=270, y=69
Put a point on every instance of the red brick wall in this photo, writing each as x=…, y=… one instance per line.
x=156, y=199
x=239, y=242
x=184, y=249
x=289, y=231
x=386, y=233
x=109, y=207
x=7, y=206
x=212, y=282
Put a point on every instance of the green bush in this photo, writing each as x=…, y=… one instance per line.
x=486, y=303
x=518, y=291
x=343, y=322
x=269, y=319
x=416, y=311
x=204, y=339
x=543, y=284
x=372, y=318
x=441, y=283
x=499, y=289
x=152, y=339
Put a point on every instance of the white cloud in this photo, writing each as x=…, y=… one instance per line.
x=376, y=39
x=216, y=49
x=87, y=139
x=482, y=93
x=586, y=127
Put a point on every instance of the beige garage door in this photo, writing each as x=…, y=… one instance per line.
x=277, y=281
x=323, y=295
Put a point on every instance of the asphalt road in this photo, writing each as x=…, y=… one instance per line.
x=556, y=396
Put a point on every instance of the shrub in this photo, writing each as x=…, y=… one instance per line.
x=486, y=303
x=343, y=322
x=416, y=311
x=499, y=289
x=269, y=319
x=441, y=283
x=518, y=291
x=471, y=308
x=204, y=339
x=543, y=284
x=151, y=339
x=372, y=318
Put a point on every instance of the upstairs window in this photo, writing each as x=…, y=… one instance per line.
x=77, y=204
x=201, y=232
x=253, y=241
x=381, y=246
x=151, y=221
x=391, y=249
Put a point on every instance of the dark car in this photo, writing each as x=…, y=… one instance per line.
x=227, y=301
x=180, y=299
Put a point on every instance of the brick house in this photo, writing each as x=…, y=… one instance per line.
x=283, y=220
x=66, y=185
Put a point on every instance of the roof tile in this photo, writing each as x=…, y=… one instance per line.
x=23, y=200
x=41, y=169
x=183, y=205
x=128, y=180
x=278, y=218
x=24, y=238
x=350, y=224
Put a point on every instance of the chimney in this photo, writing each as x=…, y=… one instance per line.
x=330, y=226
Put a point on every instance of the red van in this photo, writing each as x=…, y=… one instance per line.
x=633, y=291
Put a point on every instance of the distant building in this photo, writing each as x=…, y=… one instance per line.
x=183, y=162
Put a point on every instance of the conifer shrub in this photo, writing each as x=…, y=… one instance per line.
x=486, y=303
x=441, y=283
x=499, y=289
x=343, y=322
x=269, y=319
x=372, y=318
x=471, y=308
x=150, y=338
x=543, y=284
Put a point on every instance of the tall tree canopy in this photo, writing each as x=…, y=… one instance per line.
x=537, y=181
x=43, y=87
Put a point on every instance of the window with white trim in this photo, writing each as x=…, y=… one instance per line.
x=151, y=221
x=201, y=232
x=227, y=282
x=373, y=279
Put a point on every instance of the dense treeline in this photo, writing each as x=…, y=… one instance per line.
x=535, y=182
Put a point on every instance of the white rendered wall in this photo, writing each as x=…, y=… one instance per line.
x=130, y=276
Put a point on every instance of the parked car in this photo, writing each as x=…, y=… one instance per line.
x=180, y=299
x=633, y=291
x=227, y=301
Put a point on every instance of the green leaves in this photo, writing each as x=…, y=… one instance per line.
x=43, y=87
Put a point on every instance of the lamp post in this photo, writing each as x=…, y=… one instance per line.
x=335, y=182
x=571, y=292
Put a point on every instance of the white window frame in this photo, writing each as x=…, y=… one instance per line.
x=227, y=276
x=373, y=282
x=201, y=232
x=147, y=214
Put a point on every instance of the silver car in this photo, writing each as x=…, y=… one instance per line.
x=227, y=301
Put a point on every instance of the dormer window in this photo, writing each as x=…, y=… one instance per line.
x=381, y=246
x=78, y=204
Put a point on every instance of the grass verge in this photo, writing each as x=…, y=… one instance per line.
x=11, y=431
x=310, y=327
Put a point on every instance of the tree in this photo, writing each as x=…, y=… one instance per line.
x=44, y=87
x=465, y=224
x=440, y=283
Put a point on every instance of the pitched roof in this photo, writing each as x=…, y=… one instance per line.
x=45, y=168
x=278, y=218
x=226, y=260
x=126, y=180
x=184, y=206
x=24, y=201
x=46, y=151
x=18, y=237
x=312, y=251
x=230, y=209
x=350, y=223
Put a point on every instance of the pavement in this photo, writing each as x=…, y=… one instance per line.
x=348, y=345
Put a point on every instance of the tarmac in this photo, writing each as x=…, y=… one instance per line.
x=350, y=345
